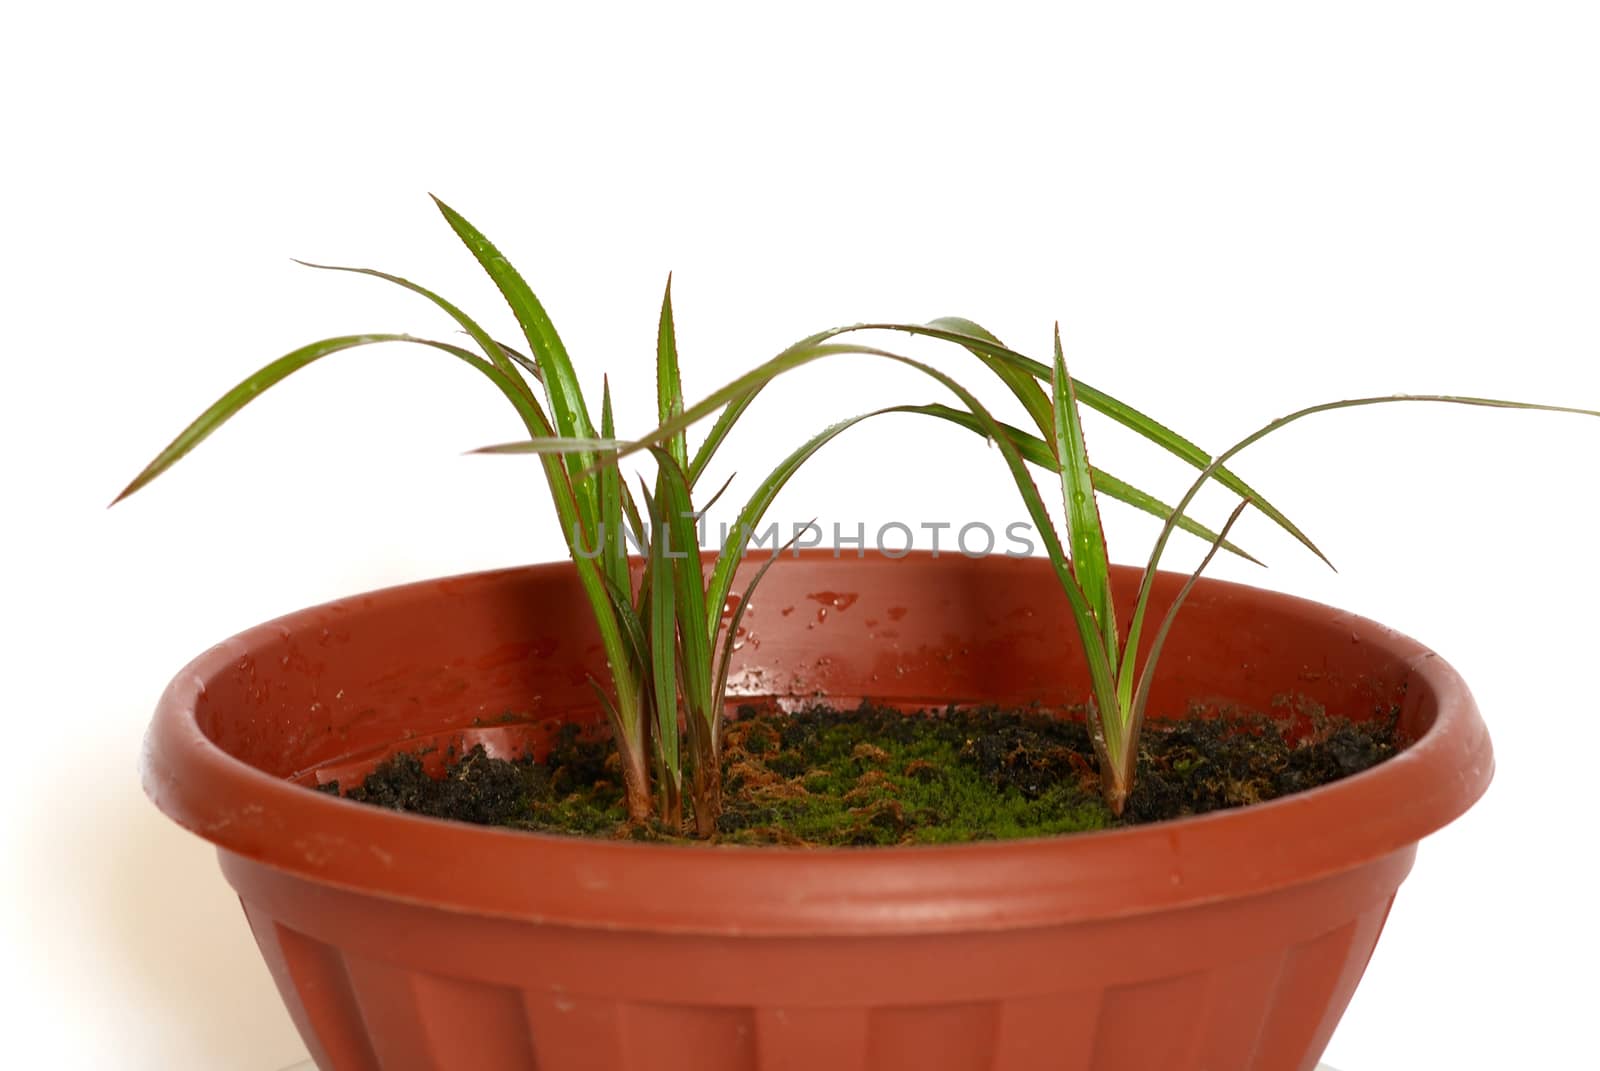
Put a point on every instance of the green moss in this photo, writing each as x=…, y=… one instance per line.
x=871, y=776
x=880, y=777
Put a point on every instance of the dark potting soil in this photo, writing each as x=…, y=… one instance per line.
x=877, y=776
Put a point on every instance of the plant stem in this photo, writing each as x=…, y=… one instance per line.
x=707, y=789
x=1116, y=782
x=636, y=783
x=705, y=781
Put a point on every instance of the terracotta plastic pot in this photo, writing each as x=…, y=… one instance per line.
x=1230, y=942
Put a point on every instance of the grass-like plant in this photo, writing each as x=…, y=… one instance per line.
x=660, y=634
x=667, y=624
x=582, y=495
x=1119, y=683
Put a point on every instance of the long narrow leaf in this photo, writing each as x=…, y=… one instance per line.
x=275, y=372
x=1098, y=400
x=1267, y=429
x=712, y=501
x=1038, y=452
x=522, y=360
x=669, y=385
x=732, y=409
x=663, y=654
x=719, y=432
x=628, y=616
x=675, y=522
x=1023, y=386
x=515, y=391
x=608, y=488
x=496, y=354
x=248, y=389
x=554, y=445
x=807, y=351
x=1091, y=563
x=750, y=516
x=802, y=353
x=630, y=511
x=569, y=414
x=581, y=491
x=625, y=714
x=1137, y=701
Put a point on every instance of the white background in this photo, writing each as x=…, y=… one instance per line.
x=1233, y=209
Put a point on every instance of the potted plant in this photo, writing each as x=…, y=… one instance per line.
x=405, y=942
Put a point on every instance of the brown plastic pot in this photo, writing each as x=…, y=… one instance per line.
x=1230, y=942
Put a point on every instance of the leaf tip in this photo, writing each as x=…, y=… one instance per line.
x=137, y=483
x=449, y=213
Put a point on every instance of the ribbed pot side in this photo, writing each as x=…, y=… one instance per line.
x=1229, y=942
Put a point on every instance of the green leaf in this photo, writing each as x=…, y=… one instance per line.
x=676, y=500
x=581, y=492
x=554, y=445
x=1036, y=451
x=1023, y=386
x=632, y=625
x=669, y=387
x=674, y=521
x=515, y=391
x=732, y=410
x=608, y=488
x=1136, y=703
x=254, y=385
x=630, y=511
x=570, y=415
x=561, y=381
x=750, y=516
x=719, y=431
x=243, y=394
x=712, y=501
x=808, y=350
x=1160, y=547
x=520, y=361
x=1090, y=562
x=663, y=652
x=496, y=353
x=1097, y=400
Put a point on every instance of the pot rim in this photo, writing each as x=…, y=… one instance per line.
x=775, y=891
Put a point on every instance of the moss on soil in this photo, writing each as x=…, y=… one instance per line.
x=878, y=776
